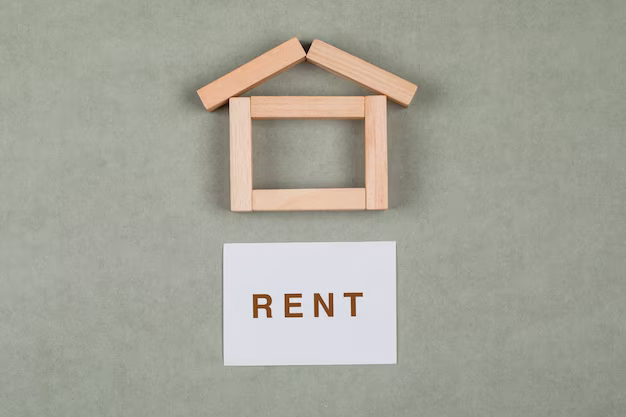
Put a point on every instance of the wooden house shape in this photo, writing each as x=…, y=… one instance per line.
x=242, y=110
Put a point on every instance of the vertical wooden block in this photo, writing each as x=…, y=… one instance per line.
x=249, y=75
x=376, y=153
x=362, y=72
x=240, y=154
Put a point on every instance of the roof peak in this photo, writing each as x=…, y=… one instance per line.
x=290, y=53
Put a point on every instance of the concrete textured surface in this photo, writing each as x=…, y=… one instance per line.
x=507, y=193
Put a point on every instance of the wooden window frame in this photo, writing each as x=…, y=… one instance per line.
x=372, y=109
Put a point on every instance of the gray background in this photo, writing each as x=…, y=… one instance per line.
x=507, y=191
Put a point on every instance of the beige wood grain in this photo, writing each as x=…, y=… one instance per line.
x=240, y=154
x=376, y=153
x=252, y=74
x=362, y=72
x=309, y=199
x=295, y=107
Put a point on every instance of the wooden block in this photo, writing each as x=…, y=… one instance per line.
x=240, y=154
x=362, y=72
x=293, y=107
x=376, y=152
x=309, y=199
x=252, y=74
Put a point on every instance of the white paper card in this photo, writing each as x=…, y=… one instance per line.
x=282, y=279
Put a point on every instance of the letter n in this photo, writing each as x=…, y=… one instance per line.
x=317, y=300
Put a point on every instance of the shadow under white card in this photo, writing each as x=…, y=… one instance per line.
x=309, y=303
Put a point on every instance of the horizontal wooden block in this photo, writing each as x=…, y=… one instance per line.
x=294, y=107
x=309, y=199
x=362, y=72
x=250, y=75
